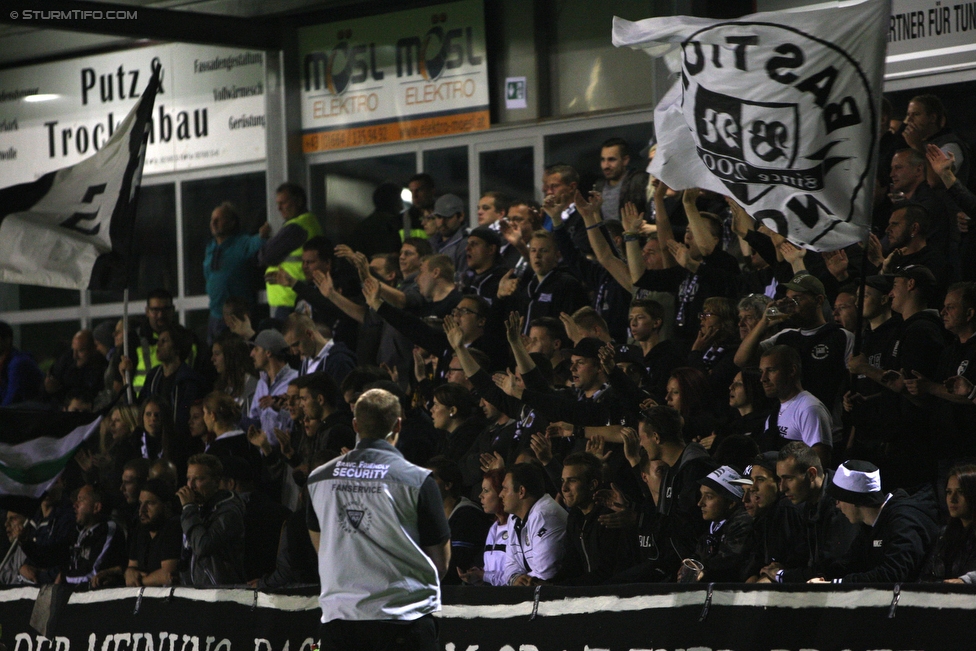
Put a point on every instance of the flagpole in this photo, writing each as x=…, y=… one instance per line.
x=127, y=374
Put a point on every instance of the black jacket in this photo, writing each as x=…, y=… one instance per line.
x=557, y=292
x=725, y=552
x=213, y=541
x=594, y=553
x=778, y=533
x=954, y=553
x=829, y=536
x=897, y=544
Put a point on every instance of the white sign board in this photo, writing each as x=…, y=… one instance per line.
x=209, y=111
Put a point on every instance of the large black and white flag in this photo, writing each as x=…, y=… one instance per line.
x=73, y=228
x=778, y=109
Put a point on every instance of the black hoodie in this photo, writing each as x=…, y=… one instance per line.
x=896, y=547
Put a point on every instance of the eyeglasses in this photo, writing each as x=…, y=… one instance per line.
x=705, y=315
x=461, y=311
x=455, y=370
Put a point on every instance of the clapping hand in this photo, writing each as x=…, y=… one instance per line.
x=918, y=384
x=323, y=280
x=371, y=290
x=492, y=461
x=589, y=210
x=957, y=385
x=542, y=447
x=631, y=445
x=837, y=263
x=453, y=332
x=680, y=253
x=622, y=516
x=508, y=382
x=509, y=232
x=894, y=380
x=513, y=329
x=572, y=330
x=357, y=259
x=632, y=221
x=507, y=285
x=597, y=447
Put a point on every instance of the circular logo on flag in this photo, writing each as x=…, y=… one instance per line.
x=785, y=120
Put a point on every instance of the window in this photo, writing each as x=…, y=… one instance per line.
x=341, y=193
x=509, y=171
x=249, y=195
x=449, y=167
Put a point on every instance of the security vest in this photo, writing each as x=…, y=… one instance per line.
x=147, y=351
x=371, y=565
x=279, y=295
x=414, y=232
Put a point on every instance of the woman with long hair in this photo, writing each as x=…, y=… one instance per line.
x=714, y=349
x=235, y=368
x=154, y=438
x=121, y=422
x=749, y=408
x=494, y=563
x=688, y=393
x=953, y=560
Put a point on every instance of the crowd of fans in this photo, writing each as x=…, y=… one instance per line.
x=633, y=384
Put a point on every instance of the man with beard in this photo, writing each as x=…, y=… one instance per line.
x=620, y=184
x=909, y=230
x=824, y=348
x=154, y=551
x=800, y=417
x=95, y=556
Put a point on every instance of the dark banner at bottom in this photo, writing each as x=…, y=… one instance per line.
x=622, y=618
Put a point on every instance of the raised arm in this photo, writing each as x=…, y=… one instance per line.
x=323, y=281
x=749, y=347
x=665, y=233
x=704, y=238
x=632, y=222
x=590, y=210
x=513, y=331
x=455, y=337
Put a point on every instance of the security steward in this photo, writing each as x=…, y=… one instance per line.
x=284, y=249
x=383, y=542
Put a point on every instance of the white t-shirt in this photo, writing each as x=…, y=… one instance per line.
x=804, y=418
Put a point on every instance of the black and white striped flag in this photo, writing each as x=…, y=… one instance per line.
x=73, y=228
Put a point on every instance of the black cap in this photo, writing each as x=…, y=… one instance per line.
x=922, y=275
x=880, y=282
x=588, y=347
x=489, y=235
x=629, y=354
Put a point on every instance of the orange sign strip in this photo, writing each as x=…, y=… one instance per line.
x=393, y=131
